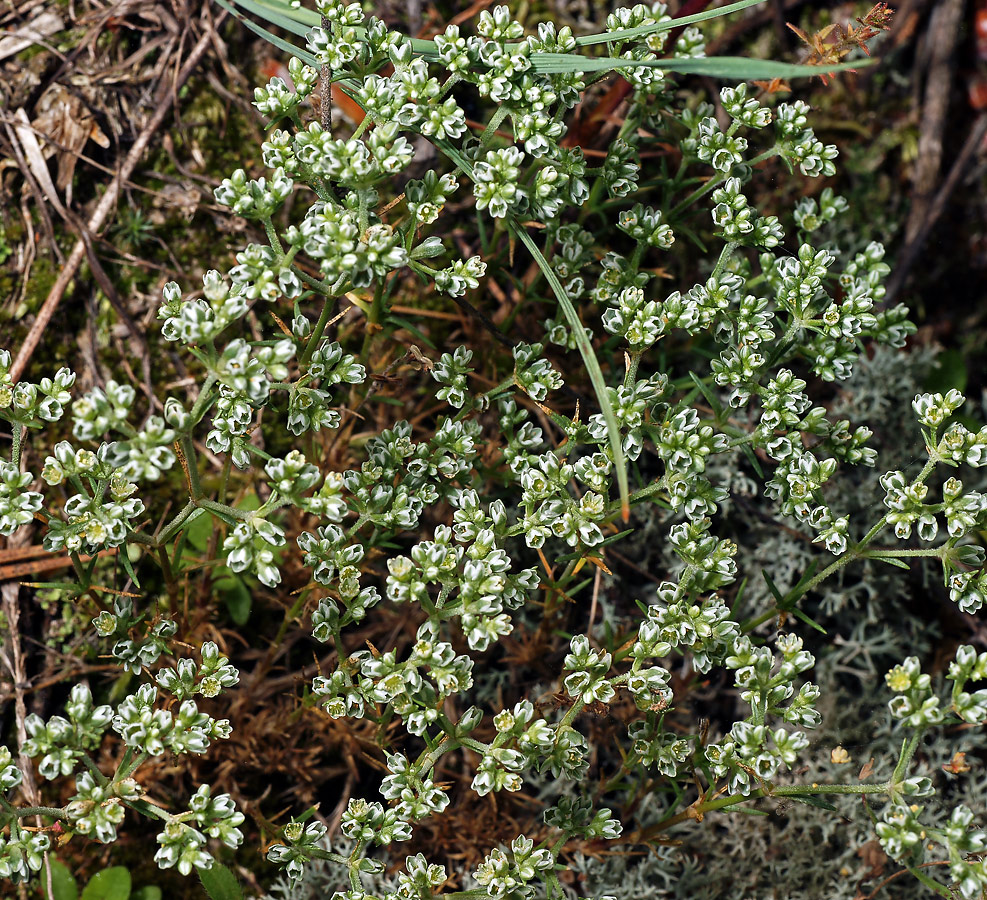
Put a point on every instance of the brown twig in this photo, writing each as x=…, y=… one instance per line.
x=944, y=35
x=909, y=254
x=873, y=893
x=164, y=99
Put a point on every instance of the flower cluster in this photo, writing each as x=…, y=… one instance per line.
x=480, y=528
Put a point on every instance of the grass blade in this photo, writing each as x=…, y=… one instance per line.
x=644, y=30
x=736, y=68
x=582, y=342
x=275, y=12
x=273, y=39
x=274, y=16
x=589, y=360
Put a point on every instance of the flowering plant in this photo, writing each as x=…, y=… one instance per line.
x=780, y=314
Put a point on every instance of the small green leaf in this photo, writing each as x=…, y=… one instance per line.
x=771, y=587
x=708, y=394
x=220, y=883
x=63, y=885
x=748, y=452
x=407, y=326
x=949, y=373
x=249, y=502
x=198, y=529
x=148, y=892
x=815, y=801
x=128, y=566
x=237, y=597
x=890, y=560
x=795, y=611
x=110, y=884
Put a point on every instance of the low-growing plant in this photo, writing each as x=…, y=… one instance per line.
x=522, y=483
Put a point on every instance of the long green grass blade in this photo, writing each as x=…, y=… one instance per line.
x=277, y=12
x=644, y=30
x=300, y=21
x=589, y=360
x=300, y=14
x=582, y=342
x=731, y=67
x=273, y=39
x=274, y=16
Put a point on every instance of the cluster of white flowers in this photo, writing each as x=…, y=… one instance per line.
x=763, y=314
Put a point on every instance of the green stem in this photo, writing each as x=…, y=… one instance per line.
x=53, y=812
x=855, y=552
x=373, y=321
x=202, y=399
x=131, y=767
x=97, y=772
x=224, y=510
x=429, y=758
x=316, y=335
x=176, y=523
x=799, y=790
x=272, y=237
x=361, y=128
x=80, y=572
x=17, y=433
x=714, y=183
x=877, y=552
x=192, y=464
x=725, y=255
x=449, y=84
x=495, y=121
x=633, y=361
x=931, y=883
x=908, y=749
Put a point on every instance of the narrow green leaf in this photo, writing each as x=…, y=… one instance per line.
x=890, y=560
x=278, y=42
x=55, y=585
x=748, y=451
x=589, y=359
x=303, y=15
x=708, y=394
x=303, y=20
x=814, y=801
x=274, y=16
x=407, y=326
x=796, y=593
x=582, y=342
x=738, y=598
x=627, y=34
x=615, y=537
x=747, y=811
x=236, y=596
x=128, y=566
x=735, y=68
x=795, y=611
x=220, y=883
x=198, y=528
x=771, y=587
x=110, y=884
